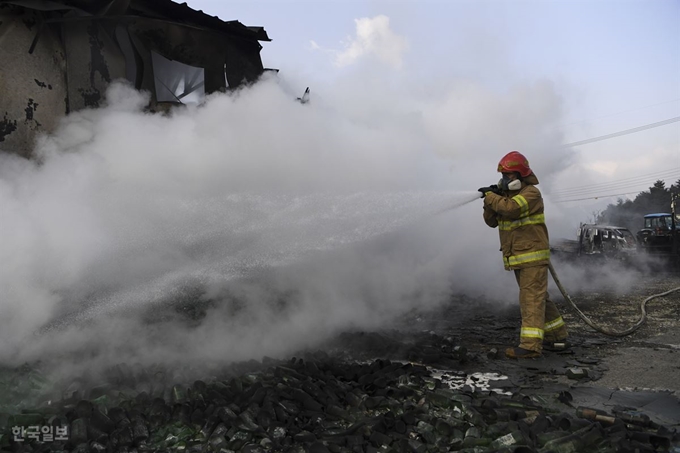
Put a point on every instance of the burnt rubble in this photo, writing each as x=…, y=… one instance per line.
x=438, y=381
x=318, y=402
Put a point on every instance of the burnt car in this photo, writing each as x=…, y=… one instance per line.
x=598, y=241
x=606, y=240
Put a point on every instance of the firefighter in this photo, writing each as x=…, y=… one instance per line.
x=515, y=206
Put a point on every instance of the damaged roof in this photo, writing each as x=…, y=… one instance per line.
x=157, y=9
x=184, y=14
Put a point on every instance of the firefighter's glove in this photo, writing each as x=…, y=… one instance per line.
x=493, y=188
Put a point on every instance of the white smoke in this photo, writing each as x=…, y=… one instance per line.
x=373, y=37
x=286, y=222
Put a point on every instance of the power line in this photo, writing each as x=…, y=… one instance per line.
x=638, y=189
x=593, y=198
x=627, y=183
x=643, y=184
x=586, y=190
x=621, y=182
x=632, y=179
x=622, y=112
x=643, y=187
x=595, y=195
x=626, y=132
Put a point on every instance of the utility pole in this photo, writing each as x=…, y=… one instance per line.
x=674, y=199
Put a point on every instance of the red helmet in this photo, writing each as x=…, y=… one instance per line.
x=514, y=161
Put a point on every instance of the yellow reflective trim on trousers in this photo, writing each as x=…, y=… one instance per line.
x=523, y=204
x=530, y=257
x=531, y=332
x=554, y=324
x=509, y=225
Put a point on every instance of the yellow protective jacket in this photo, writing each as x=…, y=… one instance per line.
x=521, y=225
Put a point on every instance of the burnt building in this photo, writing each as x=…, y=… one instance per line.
x=58, y=56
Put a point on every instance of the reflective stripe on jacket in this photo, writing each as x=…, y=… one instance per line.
x=521, y=225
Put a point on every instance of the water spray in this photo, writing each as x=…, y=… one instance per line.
x=457, y=205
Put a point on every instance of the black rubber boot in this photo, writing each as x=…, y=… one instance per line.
x=556, y=346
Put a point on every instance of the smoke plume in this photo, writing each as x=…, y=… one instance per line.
x=252, y=224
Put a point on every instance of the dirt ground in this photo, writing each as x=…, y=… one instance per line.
x=640, y=371
x=648, y=358
x=454, y=352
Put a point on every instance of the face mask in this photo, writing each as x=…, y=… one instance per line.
x=515, y=185
x=506, y=184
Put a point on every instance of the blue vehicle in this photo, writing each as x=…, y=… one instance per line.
x=659, y=233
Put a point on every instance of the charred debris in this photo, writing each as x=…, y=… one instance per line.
x=321, y=401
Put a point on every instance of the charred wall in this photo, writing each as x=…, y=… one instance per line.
x=33, y=90
x=94, y=61
x=56, y=58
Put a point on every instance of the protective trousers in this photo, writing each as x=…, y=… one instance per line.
x=541, y=320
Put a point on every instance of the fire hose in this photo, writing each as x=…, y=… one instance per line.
x=603, y=330
x=611, y=333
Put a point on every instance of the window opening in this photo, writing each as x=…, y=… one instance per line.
x=177, y=82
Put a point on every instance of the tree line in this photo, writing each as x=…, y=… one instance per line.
x=630, y=213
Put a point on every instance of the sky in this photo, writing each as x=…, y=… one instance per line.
x=615, y=65
x=354, y=208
